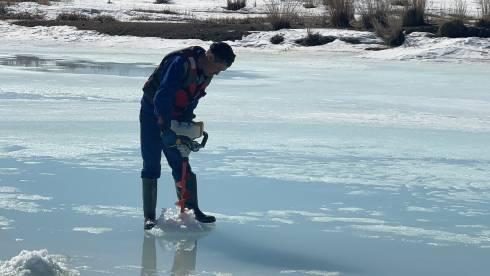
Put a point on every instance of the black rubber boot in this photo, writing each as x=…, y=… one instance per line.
x=192, y=202
x=149, y=202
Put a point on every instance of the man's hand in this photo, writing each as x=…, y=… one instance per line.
x=169, y=138
x=188, y=116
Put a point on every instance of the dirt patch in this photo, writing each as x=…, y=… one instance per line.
x=203, y=31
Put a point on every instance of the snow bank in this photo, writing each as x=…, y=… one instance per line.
x=36, y=263
x=421, y=46
x=418, y=46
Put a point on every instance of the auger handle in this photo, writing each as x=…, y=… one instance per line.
x=204, y=139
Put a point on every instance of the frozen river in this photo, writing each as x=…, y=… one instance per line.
x=317, y=164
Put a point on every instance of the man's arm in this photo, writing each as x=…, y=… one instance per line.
x=172, y=78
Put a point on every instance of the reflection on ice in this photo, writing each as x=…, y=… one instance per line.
x=174, y=232
x=78, y=66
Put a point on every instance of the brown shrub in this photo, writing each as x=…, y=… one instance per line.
x=392, y=34
x=341, y=12
x=281, y=14
x=414, y=13
x=235, y=5
x=374, y=11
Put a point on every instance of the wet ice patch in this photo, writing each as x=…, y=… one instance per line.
x=33, y=263
x=92, y=230
x=109, y=211
x=10, y=148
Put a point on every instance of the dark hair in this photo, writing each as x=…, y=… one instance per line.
x=223, y=53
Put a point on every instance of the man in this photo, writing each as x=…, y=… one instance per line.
x=172, y=92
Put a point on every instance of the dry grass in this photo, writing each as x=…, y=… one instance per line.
x=230, y=20
x=454, y=28
x=309, y=4
x=281, y=13
x=277, y=39
x=105, y=18
x=3, y=8
x=414, y=13
x=341, y=12
x=164, y=11
x=460, y=9
x=314, y=39
x=40, y=2
x=485, y=9
x=72, y=16
x=392, y=34
x=374, y=11
x=234, y=5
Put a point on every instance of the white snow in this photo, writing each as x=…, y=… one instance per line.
x=12, y=199
x=106, y=210
x=4, y=222
x=419, y=209
x=311, y=272
x=422, y=233
x=92, y=230
x=36, y=263
x=418, y=46
x=347, y=220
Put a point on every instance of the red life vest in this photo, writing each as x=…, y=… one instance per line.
x=191, y=89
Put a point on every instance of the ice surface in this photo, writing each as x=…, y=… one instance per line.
x=318, y=163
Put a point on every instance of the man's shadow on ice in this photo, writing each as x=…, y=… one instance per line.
x=173, y=232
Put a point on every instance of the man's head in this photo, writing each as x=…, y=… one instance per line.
x=219, y=57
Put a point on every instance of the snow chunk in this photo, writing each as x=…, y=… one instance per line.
x=36, y=263
x=172, y=224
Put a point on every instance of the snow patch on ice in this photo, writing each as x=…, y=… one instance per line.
x=40, y=262
x=7, y=189
x=350, y=209
x=173, y=226
x=311, y=272
x=234, y=218
x=347, y=220
x=110, y=211
x=92, y=230
x=4, y=223
x=437, y=235
x=11, y=199
x=420, y=209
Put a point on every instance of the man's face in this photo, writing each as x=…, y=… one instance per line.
x=214, y=67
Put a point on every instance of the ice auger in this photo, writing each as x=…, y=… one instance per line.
x=187, y=133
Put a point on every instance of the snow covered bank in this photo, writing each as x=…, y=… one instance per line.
x=36, y=263
x=418, y=46
x=421, y=46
